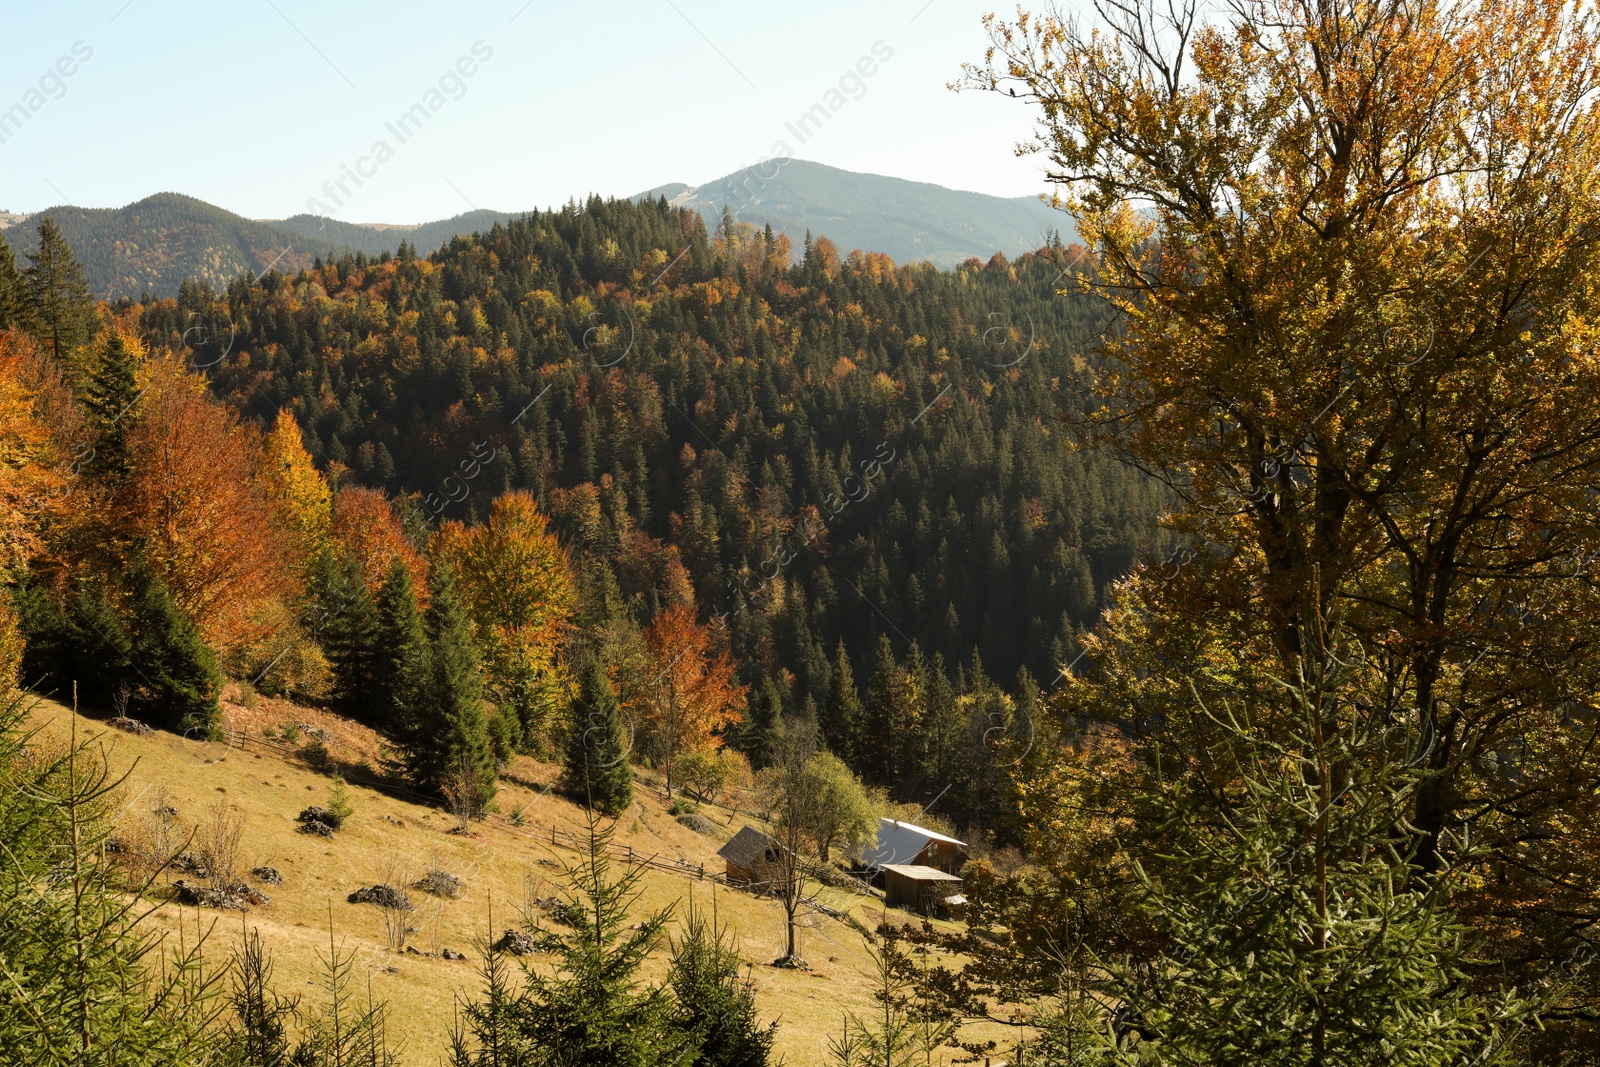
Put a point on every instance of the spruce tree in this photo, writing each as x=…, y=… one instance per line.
x=483, y=1034
x=74, y=639
x=843, y=721
x=937, y=750
x=447, y=749
x=61, y=307
x=891, y=717
x=344, y=1032
x=13, y=296
x=345, y=621
x=180, y=673
x=110, y=398
x=1298, y=932
x=592, y=1009
x=713, y=1009
x=906, y=1028
x=402, y=672
x=259, y=1033
x=84, y=983
x=596, y=763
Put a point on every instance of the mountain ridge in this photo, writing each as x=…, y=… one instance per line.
x=156, y=244
x=910, y=221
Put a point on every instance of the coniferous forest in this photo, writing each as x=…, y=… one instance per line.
x=1221, y=585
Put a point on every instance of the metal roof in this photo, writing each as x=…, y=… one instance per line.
x=901, y=841
x=920, y=874
x=747, y=848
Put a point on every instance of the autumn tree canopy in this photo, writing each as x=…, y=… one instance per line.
x=367, y=528
x=194, y=510
x=515, y=580
x=1351, y=251
x=691, y=693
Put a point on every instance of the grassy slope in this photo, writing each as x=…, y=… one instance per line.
x=389, y=838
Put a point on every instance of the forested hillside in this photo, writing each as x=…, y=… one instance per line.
x=830, y=545
x=668, y=397
x=594, y=434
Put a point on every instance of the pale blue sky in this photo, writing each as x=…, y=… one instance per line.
x=254, y=104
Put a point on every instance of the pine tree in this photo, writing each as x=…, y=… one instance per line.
x=13, y=298
x=713, y=1009
x=843, y=720
x=596, y=764
x=402, y=677
x=61, y=306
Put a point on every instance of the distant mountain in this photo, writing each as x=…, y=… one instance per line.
x=156, y=244
x=909, y=221
x=373, y=238
x=159, y=242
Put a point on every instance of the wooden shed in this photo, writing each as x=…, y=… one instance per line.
x=753, y=859
x=926, y=890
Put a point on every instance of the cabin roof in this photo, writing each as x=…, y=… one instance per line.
x=899, y=842
x=919, y=873
x=746, y=848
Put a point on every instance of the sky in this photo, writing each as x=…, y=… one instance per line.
x=259, y=105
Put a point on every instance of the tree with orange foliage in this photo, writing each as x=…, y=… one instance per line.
x=366, y=526
x=194, y=510
x=28, y=477
x=28, y=467
x=519, y=591
x=691, y=693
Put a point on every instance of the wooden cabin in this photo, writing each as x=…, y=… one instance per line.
x=753, y=859
x=914, y=846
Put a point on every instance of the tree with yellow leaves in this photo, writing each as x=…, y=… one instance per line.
x=518, y=587
x=367, y=528
x=193, y=510
x=298, y=492
x=30, y=478
x=1351, y=248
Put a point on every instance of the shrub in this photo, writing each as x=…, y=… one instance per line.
x=315, y=752
x=218, y=839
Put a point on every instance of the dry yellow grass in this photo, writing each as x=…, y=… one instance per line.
x=390, y=838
